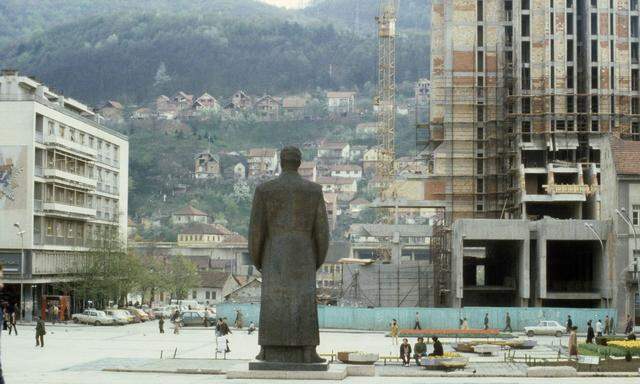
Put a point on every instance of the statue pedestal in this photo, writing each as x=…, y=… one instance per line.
x=258, y=365
x=287, y=371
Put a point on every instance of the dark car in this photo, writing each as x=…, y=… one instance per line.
x=196, y=318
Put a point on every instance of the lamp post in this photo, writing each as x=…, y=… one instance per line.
x=595, y=233
x=21, y=235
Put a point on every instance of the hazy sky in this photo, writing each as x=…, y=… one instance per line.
x=286, y=3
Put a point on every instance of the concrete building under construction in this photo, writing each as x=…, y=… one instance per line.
x=525, y=96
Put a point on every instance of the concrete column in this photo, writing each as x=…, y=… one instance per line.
x=524, y=275
x=542, y=267
x=27, y=304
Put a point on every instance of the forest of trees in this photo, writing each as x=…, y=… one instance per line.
x=115, y=54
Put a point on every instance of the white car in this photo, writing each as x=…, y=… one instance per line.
x=93, y=316
x=119, y=316
x=545, y=327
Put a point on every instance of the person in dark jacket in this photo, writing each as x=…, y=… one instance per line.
x=419, y=350
x=437, y=347
x=629, y=326
x=161, y=324
x=590, y=333
x=569, y=324
x=40, y=332
x=486, y=321
x=405, y=352
x=507, y=323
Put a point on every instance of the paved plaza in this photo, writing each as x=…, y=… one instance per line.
x=131, y=354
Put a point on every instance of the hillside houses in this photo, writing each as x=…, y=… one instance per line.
x=263, y=162
x=340, y=103
x=207, y=166
x=188, y=215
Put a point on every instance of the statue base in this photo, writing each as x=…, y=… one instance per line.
x=258, y=365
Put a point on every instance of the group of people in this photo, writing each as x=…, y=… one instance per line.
x=9, y=320
x=600, y=330
x=419, y=350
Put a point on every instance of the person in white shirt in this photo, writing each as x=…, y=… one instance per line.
x=599, y=328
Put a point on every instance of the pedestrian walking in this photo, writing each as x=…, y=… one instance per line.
x=161, y=324
x=573, y=342
x=465, y=324
x=607, y=325
x=569, y=324
x=55, y=313
x=599, y=328
x=486, y=321
x=590, y=333
x=394, y=332
x=417, y=324
x=40, y=332
x=405, y=352
x=12, y=323
x=1, y=286
x=507, y=322
x=5, y=318
x=629, y=325
x=239, y=321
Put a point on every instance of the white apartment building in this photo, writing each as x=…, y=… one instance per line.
x=63, y=188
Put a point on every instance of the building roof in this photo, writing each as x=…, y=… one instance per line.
x=213, y=279
x=339, y=94
x=267, y=98
x=332, y=145
x=307, y=165
x=387, y=230
x=112, y=104
x=189, y=211
x=294, y=102
x=202, y=262
x=626, y=156
x=205, y=229
x=206, y=96
x=235, y=238
x=246, y=284
x=262, y=152
x=345, y=167
x=359, y=201
x=335, y=180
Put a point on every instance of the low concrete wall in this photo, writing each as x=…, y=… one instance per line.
x=378, y=319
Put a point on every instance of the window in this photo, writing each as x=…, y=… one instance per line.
x=52, y=128
x=635, y=131
x=569, y=104
x=207, y=295
x=570, y=77
x=594, y=51
x=526, y=131
x=194, y=294
x=526, y=52
x=594, y=77
x=480, y=185
x=480, y=10
x=569, y=50
x=525, y=25
x=61, y=131
x=635, y=214
x=480, y=36
x=594, y=23
x=569, y=23
x=213, y=295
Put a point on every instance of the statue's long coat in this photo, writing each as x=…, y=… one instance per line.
x=288, y=242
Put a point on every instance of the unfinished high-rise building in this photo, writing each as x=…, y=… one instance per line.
x=524, y=97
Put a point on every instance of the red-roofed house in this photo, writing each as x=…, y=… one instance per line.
x=188, y=215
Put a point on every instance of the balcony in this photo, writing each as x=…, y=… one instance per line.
x=68, y=210
x=71, y=146
x=65, y=241
x=71, y=178
x=104, y=188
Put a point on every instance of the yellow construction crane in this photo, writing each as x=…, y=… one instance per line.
x=385, y=100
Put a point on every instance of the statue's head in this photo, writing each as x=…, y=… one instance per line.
x=290, y=158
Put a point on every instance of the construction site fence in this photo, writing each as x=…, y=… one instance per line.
x=379, y=319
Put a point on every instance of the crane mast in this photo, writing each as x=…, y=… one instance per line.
x=385, y=100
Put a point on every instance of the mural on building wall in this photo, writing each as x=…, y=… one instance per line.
x=13, y=185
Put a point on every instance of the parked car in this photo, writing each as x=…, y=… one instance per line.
x=149, y=312
x=93, y=316
x=126, y=314
x=119, y=317
x=195, y=318
x=140, y=314
x=162, y=311
x=132, y=318
x=545, y=327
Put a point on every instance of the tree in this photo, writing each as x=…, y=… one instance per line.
x=183, y=277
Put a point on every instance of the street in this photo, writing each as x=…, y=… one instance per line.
x=76, y=354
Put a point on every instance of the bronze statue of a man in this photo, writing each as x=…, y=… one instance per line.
x=288, y=241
